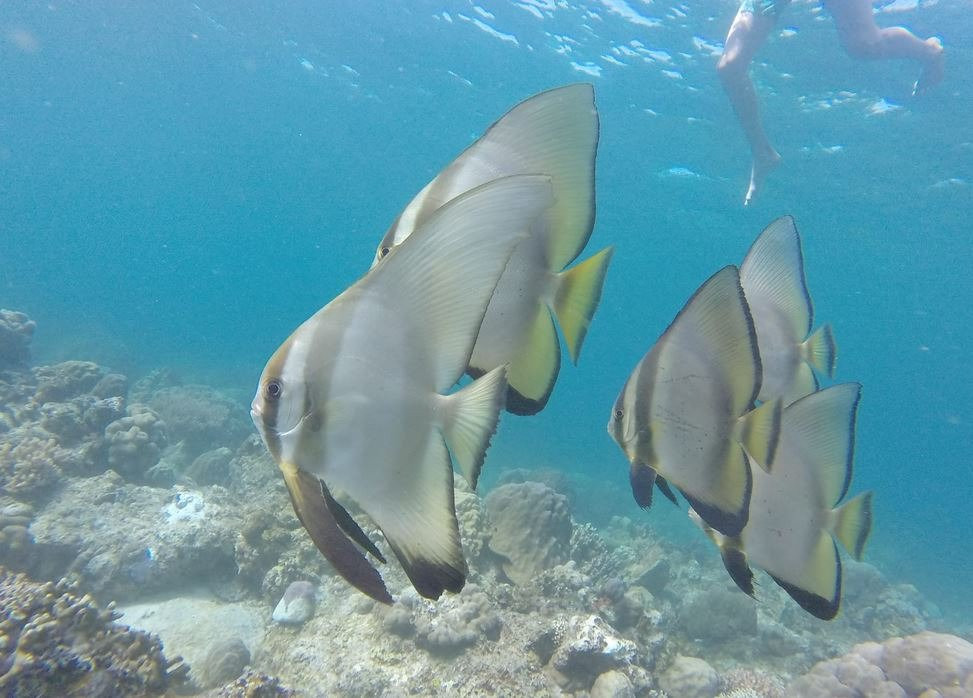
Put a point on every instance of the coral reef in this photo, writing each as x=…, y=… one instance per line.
x=55, y=643
x=255, y=685
x=16, y=331
x=690, y=677
x=930, y=665
x=225, y=661
x=135, y=442
x=200, y=416
x=531, y=529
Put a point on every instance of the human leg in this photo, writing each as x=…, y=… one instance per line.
x=747, y=34
x=862, y=38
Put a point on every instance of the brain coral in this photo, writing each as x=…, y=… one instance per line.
x=532, y=528
x=55, y=643
x=930, y=665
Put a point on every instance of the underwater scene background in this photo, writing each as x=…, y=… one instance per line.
x=182, y=184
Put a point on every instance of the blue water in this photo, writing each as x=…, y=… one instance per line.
x=181, y=184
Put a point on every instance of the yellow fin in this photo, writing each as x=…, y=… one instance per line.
x=773, y=274
x=726, y=506
x=853, y=523
x=821, y=351
x=818, y=590
x=822, y=426
x=577, y=296
x=759, y=432
x=471, y=420
x=534, y=370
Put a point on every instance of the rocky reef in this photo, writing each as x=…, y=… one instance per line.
x=153, y=493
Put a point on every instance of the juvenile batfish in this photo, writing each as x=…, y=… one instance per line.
x=794, y=512
x=686, y=413
x=554, y=133
x=353, y=401
x=772, y=276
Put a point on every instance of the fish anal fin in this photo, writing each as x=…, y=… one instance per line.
x=821, y=351
x=642, y=477
x=534, y=369
x=417, y=514
x=759, y=432
x=735, y=562
x=311, y=507
x=471, y=420
x=853, y=524
x=349, y=525
x=576, y=298
x=730, y=514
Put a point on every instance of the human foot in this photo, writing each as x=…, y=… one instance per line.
x=932, y=67
x=758, y=172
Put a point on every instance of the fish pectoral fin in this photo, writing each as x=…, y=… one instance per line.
x=759, y=432
x=576, y=298
x=853, y=523
x=311, y=506
x=823, y=425
x=735, y=562
x=534, y=369
x=665, y=489
x=642, y=477
x=819, y=589
x=821, y=351
x=417, y=514
x=727, y=504
x=471, y=421
x=773, y=272
x=349, y=525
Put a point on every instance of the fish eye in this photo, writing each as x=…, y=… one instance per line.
x=273, y=389
x=619, y=414
x=384, y=251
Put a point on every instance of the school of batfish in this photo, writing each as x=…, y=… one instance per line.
x=473, y=278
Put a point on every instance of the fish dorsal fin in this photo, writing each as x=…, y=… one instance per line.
x=416, y=511
x=554, y=133
x=822, y=427
x=440, y=280
x=471, y=420
x=773, y=274
x=308, y=498
x=715, y=326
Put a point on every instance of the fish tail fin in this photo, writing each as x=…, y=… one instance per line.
x=759, y=432
x=471, y=420
x=852, y=524
x=311, y=506
x=576, y=298
x=821, y=351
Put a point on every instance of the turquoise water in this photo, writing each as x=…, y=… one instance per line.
x=182, y=184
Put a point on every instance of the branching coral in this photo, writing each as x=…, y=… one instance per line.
x=56, y=643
